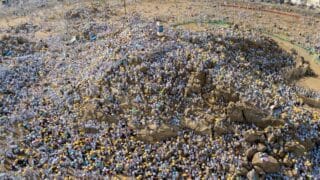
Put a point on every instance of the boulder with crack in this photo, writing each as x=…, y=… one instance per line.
x=240, y=112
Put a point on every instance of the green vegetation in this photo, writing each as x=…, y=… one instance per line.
x=211, y=22
x=310, y=50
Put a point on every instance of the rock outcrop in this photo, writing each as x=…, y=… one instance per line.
x=268, y=163
x=240, y=112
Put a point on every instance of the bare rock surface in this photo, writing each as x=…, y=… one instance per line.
x=268, y=163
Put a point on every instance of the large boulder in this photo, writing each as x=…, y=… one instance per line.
x=240, y=112
x=295, y=147
x=157, y=134
x=268, y=163
x=252, y=136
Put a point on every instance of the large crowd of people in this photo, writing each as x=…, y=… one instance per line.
x=86, y=117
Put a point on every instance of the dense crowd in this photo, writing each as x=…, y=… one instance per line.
x=88, y=116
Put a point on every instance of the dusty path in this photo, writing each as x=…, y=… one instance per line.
x=306, y=82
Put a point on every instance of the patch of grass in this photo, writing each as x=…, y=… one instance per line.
x=212, y=22
x=308, y=49
x=311, y=51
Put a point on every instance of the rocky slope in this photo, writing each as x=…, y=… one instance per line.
x=209, y=104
